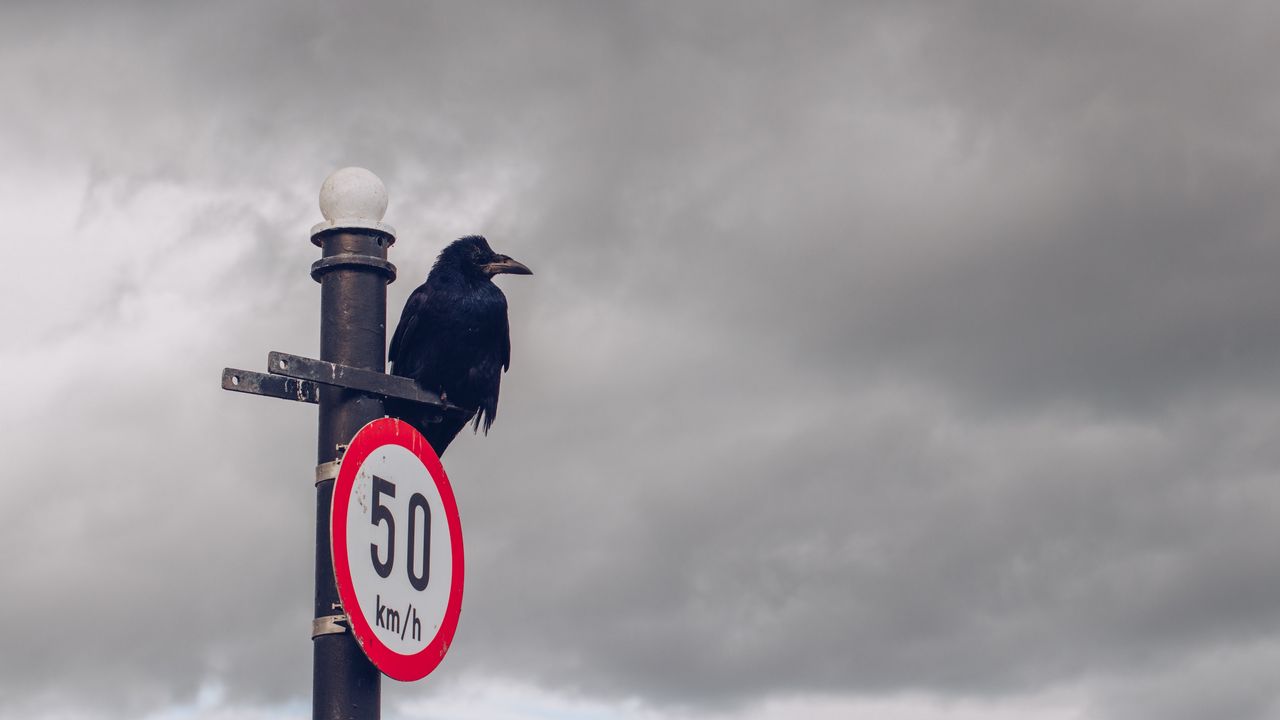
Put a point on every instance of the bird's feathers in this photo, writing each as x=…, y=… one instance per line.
x=453, y=336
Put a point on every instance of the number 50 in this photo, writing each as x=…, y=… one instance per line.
x=381, y=513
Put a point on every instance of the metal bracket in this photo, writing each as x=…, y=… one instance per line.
x=328, y=625
x=298, y=378
x=256, y=383
x=351, y=378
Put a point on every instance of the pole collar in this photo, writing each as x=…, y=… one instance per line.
x=352, y=260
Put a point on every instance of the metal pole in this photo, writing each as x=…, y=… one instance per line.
x=353, y=273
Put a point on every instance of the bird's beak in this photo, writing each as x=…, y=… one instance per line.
x=504, y=264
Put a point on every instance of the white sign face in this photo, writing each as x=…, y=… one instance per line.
x=397, y=549
x=397, y=521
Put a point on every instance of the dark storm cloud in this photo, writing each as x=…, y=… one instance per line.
x=1137, y=264
x=871, y=349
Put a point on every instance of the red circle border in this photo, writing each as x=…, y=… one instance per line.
x=376, y=434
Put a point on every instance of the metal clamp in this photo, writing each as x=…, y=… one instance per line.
x=328, y=625
x=328, y=471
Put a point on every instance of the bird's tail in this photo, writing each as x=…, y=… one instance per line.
x=484, y=415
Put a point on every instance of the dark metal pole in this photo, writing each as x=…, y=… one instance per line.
x=353, y=274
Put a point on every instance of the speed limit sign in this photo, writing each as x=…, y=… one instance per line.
x=397, y=549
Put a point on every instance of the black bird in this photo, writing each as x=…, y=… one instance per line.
x=453, y=337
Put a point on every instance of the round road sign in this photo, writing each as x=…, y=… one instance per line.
x=397, y=549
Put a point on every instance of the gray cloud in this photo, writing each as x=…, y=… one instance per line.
x=872, y=349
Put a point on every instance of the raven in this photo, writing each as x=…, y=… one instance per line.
x=453, y=337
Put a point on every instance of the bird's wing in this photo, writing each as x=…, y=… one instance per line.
x=406, y=330
x=506, y=342
x=485, y=373
x=486, y=377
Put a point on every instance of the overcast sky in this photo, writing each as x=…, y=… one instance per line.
x=882, y=360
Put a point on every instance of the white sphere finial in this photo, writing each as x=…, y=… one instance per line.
x=353, y=192
x=353, y=198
